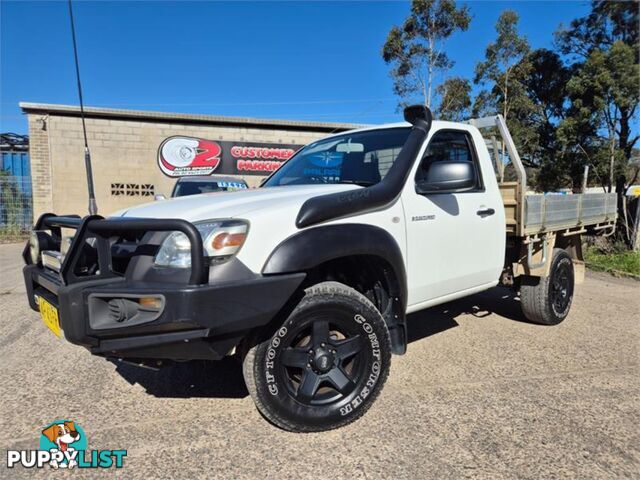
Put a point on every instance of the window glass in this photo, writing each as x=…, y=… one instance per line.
x=183, y=189
x=446, y=146
x=361, y=158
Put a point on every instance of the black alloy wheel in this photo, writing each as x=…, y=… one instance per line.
x=547, y=300
x=325, y=365
x=561, y=291
x=322, y=361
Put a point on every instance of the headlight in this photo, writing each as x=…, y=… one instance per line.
x=34, y=248
x=38, y=242
x=220, y=239
x=65, y=244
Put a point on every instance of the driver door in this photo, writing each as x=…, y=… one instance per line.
x=455, y=241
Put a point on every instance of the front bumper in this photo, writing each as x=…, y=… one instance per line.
x=198, y=320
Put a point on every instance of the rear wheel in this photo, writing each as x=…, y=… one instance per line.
x=325, y=365
x=547, y=300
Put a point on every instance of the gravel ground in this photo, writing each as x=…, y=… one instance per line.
x=480, y=394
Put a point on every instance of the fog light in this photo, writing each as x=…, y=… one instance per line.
x=34, y=248
x=38, y=242
x=107, y=311
x=121, y=309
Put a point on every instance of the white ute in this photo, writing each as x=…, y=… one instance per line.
x=309, y=278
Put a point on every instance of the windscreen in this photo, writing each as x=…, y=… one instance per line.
x=361, y=158
x=183, y=189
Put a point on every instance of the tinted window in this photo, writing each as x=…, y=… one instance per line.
x=183, y=189
x=362, y=158
x=447, y=146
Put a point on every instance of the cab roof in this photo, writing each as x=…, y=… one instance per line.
x=435, y=125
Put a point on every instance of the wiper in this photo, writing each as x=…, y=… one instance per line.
x=362, y=183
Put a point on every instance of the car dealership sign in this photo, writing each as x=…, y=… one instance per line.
x=184, y=156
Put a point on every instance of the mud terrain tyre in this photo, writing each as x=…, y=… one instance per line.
x=325, y=366
x=548, y=300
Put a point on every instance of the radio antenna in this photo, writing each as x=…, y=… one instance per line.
x=93, y=207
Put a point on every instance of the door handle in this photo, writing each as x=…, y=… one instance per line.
x=485, y=212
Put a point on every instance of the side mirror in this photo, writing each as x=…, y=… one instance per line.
x=448, y=177
x=159, y=196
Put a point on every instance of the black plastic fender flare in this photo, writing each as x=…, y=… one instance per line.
x=315, y=246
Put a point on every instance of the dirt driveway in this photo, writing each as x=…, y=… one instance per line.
x=480, y=394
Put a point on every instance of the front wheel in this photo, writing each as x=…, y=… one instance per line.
x=548, y=300
x=324, y=367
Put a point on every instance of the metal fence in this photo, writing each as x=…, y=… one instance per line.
x=16, y=163
x=16, y=210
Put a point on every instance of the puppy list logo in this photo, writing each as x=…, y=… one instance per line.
x=63, y=444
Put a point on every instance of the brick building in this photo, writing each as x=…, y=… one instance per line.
x=136, y=154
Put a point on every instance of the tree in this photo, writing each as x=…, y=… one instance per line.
x=604, y=92
x=504, y=68
x=546, y=88
x=503, y=73
x=455, y=99
x=607, y=23
x=546, y=83
x=605, y=89
x=415, y=50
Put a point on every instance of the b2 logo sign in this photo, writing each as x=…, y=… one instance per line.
x=184, y=156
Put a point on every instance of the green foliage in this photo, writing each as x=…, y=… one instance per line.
x=455, y=99
x=415, y=49
x=566, y=116
x=504, y=68
x=603, y=93
x=607, y=23
x=13, y=208
x=508, y=73
x=617, y=260
x=545, y=87
x=567, y=108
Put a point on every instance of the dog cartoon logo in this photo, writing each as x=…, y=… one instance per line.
x=64, y=437
x=181, y=156
x=63, y=444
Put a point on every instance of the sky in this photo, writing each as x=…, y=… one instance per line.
x=287, y=60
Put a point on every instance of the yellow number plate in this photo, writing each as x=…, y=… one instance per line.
x=49, y=315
